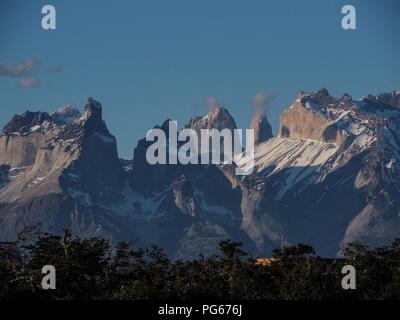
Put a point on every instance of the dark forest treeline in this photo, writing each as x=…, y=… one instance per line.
x=93, y=269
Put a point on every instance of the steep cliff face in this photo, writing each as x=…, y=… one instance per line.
x=262, y=128
x=316, y=116
x=18, y=151
x=54, y=164
x=23, y=136
x=331, y=176
x=217, y=118
x=196, y=206
x=331, y=187
x=4, y=173
x=148, y=178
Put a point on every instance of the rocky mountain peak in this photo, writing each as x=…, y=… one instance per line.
x=30, y=122
x=301, y=95
x=66, y=114
x=220, y=117
x=321, y=117
x=322, y=97
x=91, y=120
x=323, y=92
x=328, y=149
x=26, y=123
x=217, y=118
x=262, y=128
x=165, y=126
x=392, y=99
x=346, y=97
x=94, y=108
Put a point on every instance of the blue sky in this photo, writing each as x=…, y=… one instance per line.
x=147, y=61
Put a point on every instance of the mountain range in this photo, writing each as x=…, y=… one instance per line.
x=330, y=176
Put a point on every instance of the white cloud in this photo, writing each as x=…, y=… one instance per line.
x=212, y=103
x=260, y=102
x=22, y=69
x=29, y=83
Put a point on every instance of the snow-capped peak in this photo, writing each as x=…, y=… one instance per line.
x=66, y=114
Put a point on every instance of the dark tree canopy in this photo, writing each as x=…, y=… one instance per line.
x=94, y=269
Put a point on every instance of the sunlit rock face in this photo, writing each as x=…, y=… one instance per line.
x=61, y=168
x=330, y=176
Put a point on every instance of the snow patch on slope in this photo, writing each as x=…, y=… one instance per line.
x=66, y=114
x=299, y=159
x=136, y=206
